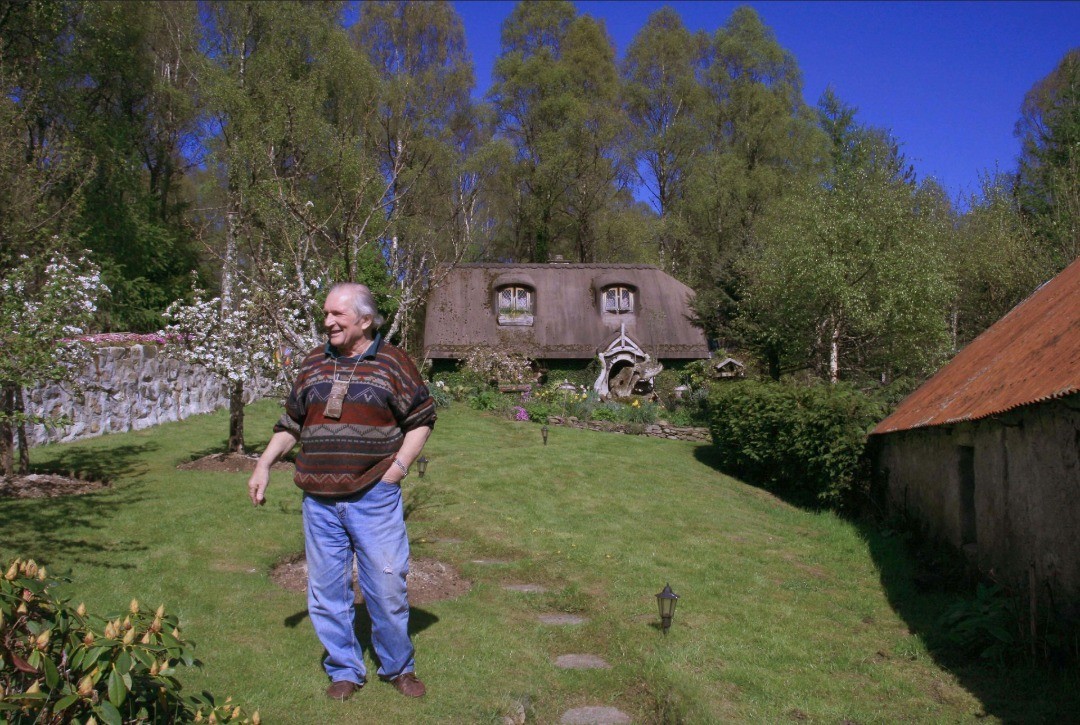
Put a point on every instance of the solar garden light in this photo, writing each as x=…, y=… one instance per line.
x=421, y=465
x=544, y=432
x=666, y=601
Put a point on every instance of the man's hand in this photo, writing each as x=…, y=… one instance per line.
x=257, y=484
x=280, y=444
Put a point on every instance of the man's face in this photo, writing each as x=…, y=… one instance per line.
x=342, y=324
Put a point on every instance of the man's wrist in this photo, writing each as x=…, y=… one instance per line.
x=401, y=467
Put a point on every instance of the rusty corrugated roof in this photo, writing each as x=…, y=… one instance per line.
x=1030, y=355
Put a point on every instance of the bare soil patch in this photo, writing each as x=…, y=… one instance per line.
x=430, y=580
x=230, y=463
x=46, y=485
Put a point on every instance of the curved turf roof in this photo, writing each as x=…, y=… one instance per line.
x=1030, y=355
x=568, y=322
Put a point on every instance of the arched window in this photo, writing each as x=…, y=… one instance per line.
x=515, y=305
x=618, y=300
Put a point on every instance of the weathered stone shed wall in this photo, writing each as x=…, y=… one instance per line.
x=129, y=388
x=1022, y=504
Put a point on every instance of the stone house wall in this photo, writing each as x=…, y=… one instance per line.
x=1003, y=490
x=129, y=388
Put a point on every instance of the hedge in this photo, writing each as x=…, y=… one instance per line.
x=805, y=442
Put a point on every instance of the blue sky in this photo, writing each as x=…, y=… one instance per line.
x=947, y=78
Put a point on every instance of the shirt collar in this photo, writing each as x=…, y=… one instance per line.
x=372, y=351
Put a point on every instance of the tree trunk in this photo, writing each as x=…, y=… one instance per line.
x=236, y=418
x=7, y=430
x=20, y=430
x=834, y=354
x=773, y=358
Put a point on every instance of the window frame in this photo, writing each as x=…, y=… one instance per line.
x=621, y=291
x=514, y=315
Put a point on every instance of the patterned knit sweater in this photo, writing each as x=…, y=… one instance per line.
x=386, y=399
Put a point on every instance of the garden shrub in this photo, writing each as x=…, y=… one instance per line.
x=498, y=365
x=985, y=626
x=440, y=394
x=538, y=410
x=807, y=442
x=59, y=664
x=490, y=400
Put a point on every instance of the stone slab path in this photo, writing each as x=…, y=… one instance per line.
x=594, y=715
x=561, y=619
x=581, y=662
x=526, y=588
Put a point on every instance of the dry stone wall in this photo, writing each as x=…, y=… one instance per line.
x=653, y=430
x=129, y=388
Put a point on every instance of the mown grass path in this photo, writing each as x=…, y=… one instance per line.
x=785, y=614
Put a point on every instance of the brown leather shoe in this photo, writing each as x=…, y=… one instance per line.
x=342, y=690
x=409, y=685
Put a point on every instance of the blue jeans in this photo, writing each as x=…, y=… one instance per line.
x=370, y=524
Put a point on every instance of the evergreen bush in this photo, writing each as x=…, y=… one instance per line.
x=807, y=442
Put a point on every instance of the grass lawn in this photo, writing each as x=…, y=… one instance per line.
x=784, y=614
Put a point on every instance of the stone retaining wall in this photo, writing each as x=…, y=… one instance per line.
x=129, y=388
x=654, y=430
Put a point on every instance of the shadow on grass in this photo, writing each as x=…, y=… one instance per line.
x=921, y=585
x=419, y=620
x=71, y=527
x=96, y=464
x=419, y=497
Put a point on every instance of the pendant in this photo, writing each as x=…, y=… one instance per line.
x=337, y=398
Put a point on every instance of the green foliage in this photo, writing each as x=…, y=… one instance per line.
x=60, y=664
x=441, y=395
x=538, y=410
x=804, y=441
x=1049, y=178
x=490, y=400
x=985, y=626
x=850, y=278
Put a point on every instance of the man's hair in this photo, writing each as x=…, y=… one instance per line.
x=363, y=302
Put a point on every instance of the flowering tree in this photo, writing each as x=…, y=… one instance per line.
x=44, y=302
x=242, y=343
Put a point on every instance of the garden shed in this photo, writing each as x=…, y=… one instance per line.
x=627, y=317
x=986, y=454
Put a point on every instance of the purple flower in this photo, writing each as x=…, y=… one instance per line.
x=520, y=413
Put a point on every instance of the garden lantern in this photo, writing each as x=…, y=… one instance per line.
x=666, y=601
x=544, y=432
x=421, y=465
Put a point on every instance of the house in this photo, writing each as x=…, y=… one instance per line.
x=986, y=454
x=627, y=317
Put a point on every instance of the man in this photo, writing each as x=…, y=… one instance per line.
x=362, y=415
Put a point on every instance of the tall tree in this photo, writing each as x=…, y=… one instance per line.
x=849, y=277
x=1049, y=131
x=664, y=102
x=996, y=259
x=263, y=89
x=760, y=137
x=556, y=100
x=125, y=96
x=425, y=132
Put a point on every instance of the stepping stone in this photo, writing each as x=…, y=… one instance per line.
x=581, y=662
x=561, y=619
x=594, y=715
x=490, y=561
x=446, y=541
x=526, y=588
